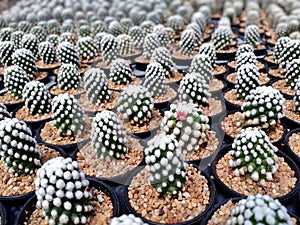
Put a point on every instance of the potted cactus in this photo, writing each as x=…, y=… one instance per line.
x=222, y=38
x=69, y=37
x=16, y=38
x=48, y=56
x=176, y=22
x=7, y=49
x=252, y=37
x=137, y=36
x=87, y=50
x=30, y=42
x=128, y=51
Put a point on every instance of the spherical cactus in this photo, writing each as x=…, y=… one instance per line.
x=297, y=96
x=120, y=72
x=97, y=27
x=108, y=135
x=176, y=22
x=68, y=77
x=67, y=53
x=136, y=104
x=15, y=79
x=162, y=34
x=281, y=30
x=202, y=65
x=18, y=148
x=126, y=24
x=68, y=26
x=5, y=34
x=263, y=107
x=163, y=56
x=7, y=48
x=155, y=79
x=47, y=53
x=87, y=48
x=193, y=88
x=171, y=33
x=61, y=190
x=54, y=39
x=165, y=162
x=244, y=48
x=291, y=51
x=136, y=35
x=147, y=27
x=197, y=31
x=69, y=37
x=125, y=44
x=115, y=28
x=222, y=37
x=253, y=155
x=252, y=18
x=3, y=112
x=16, y=38
x=244, y=58
x=252, y=35
x=280, y=46
x=39, y=32
x=67, y=114
x=24, y=26
x=30, y=42
x=209, y=50
x=37, y=98
x=224, y=21
x=187, y=42
x=150, y=44
x=25, y=59
x=96, y=86
x=186, y=122
x=127, y=219
x=292, y=74
x=110, y=48
x=53, y=26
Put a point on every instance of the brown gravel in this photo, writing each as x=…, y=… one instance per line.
x=260, y=65
x=142, y=59
x=260, y=46
x=214, y=107
x=216, y=85
x=7, y=98
x=263, y=78
x=11, y=185
x=41, y=65
x=2, y=68
x=176, y=77
x=83, y=68
x=135, y=52
x=49, y=134
x=230, y=50
x=283, y=87
x=102, y=212
x=270, y=58
x=88, y=61
x=84, y=102
x=231, y=96
x=290, y=111
x=112, y=86
x=283, y=183
x=169, y=95
x=55, y=90
x=294, y=143
x=219, y=69
x=191, y=201
x=178, y=55
x=25, y=115
x=205, y=36
x=41, y=75
x=276, y=73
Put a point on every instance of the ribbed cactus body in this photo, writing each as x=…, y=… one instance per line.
x=18, y=148
x=120, y=72
x=164, y=160
x=97, y=27
x=209, y=50
x=68, y=53
x=68, y=77
x=199, y=18
x=155, y=79
x=163, y=35
x=69, y=37
x=16, y=38
x=136, y=35
x=54, y=39
x=110, y=48
x=24, y=26
x=252, y=35
x=87, y=48
x=188, y=42
x=202, y=65
x=53, y=26
x=39, y=32
x=25, y=59
x=252, y=18
x=171, y=33
x=280, y=46
x=3, y=112
x=61, y=192
x=290, y=51
x=125, y=44
x=151, y=42
x=126, y=24
x=176, y=22
x=127, y=219
x=115, y=28
x=293, y=73
x=297, y=96
x=7, y=49
x=222, y=37
x=244, y=58
x=197, y=31
x=5, y=33
x=244, y=48
x=30, y=42
x=281, y=30
x=47, y=53
x=147, y=27
x=163, y=56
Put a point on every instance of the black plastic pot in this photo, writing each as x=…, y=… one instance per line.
x=136, y=72
x=3, y=215
x=229, y=105
x=288, y=149
x=220, y=76
x=269, y=63
x=290, y=124
x=216, y=93
x=225, y=56
x=13, y=106
x=166, y=104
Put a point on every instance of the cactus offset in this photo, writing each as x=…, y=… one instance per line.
x=222, y=38
x=155, y=79
x=47, y=53
x=68, y=53
x=68, y=77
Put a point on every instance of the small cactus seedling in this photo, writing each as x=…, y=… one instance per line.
x=165, y=162
x=37, y=98
x=136, y=104
x=69, y=37
x=186, y=122
x=120, y=72
x=290, y=52
x=54, y=39
x=115, y=28
x=3, y=112
x=281, y=30
x=163, y=56
x=136, y=35
x=150, y=44
x=253, y=155
x=252, y=35
x=155, y=79
x=162, y=34
x=110, y=48
x=61, y=190
x=280, y=46
x=30, y=42
x=16, y=38
x=47, y=53
x=263, y=107
x=126, y=24
x=259, y=209
x=108, y=135
x=39, y=32
x=15, y=79
x=127, y=219
x=125, y=44
x=67, y=53
x=18, y=148
x=87, y=48
x=5, y=34
x=176, y=22
x=244, y=58
x=209, y=50
x=222, y=38
x=147, y=27
x=67, y=114
x=68, y=77
x=193, y=88
x=201, y=64
x=7, y=48
x=95, y=84
x=187, y=42
x=292, y=74
x=297, y=96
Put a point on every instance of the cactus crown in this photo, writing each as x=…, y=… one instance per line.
x=24, y=26
x=126, y=24
x=147, y=27
x=7, y=48
x=95, y=84
x=61, y=189
x=136, y=105
x=87, y=48
x=110, y=48
x=67, y=53
x=280, y=46
x=281, y=30
x=162, y=34
x=39, y=32
x=136, y=35
x=163, y=56
x=18, y=148
x=125, y=44
x=252, y=18
x=186, y=122
x=47, y=53
x=98, y=27
x=209, y=50
x=30, y=42
x=120, y=72
x=16, y=38
x=15, y=79
x=297, y=96
x=129, y=219
x=244, y=48
x=3, y=112
x=188, y=42
x=222, y=37
x=25, y=59
x=108, y=135
x=155, y=79
x=253, y=155
x=176, y=22
x=202, y=65
x=115, y=28
x=69, y=37
x=252, y=35
x=68, y=77
x=37, y=98
x=263, y=106
x=243, y=58
x=165, y=162
x=292, y=74
x=5, y=34
x=198, y=33
x=193, y=88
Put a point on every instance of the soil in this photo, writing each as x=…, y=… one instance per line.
x=215, y=107
x=231, y=96
x=55, y=90
x=294, y=143
x=25, y=115
x=177, y=55
x=88, y=61
x=290, y=112
x=230, y=50
x=41, y=75
x=175, y=77
x=142, y=59
x=276, y=73
x=7, y=98
x=283, y=87
x=121, y=87
x=219, y=69
x=233, y=65
x=169, y=95
x=41, y=65
x=270, y=58
x=263, y=78
x=215, y=85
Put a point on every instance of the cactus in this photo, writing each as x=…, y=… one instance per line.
x=125, y=44
x=61, y=190
x=188, y=42
x=259, y=209
x=97, y=27
x=98, y=38
x=37, y=98
x=5, y=34
x=162, y=34
x=115, y=28
x=127, y=219
x=110, y=48
x=290, y=52
x=126, y=24
x=54, y=39
x=136, y=35
x=198, y=33
x=53, y=26
x=164, y=161
x=171, y=33
x=280, y=46
x=252, y=18
x=68, y=77
x=108, y=135
x=24, y=26
x=67, y=53
x=244, y=58
x=154, y=17
x=293, y=25
x=30, y=42
x=87, y=48
x=7, y=48
x=67, y=114
x=252, y=35
x=150, y=44
x=120, y=72
x=147, y=27
x=18, y=148
x=15, y=79
x=253, y=155
x=16, y=38
x=39, y=32
x=222, y=38
x=136, y=104
x=155, y=79
x=193, y=88
x=69, y=37
x=47, y=53
x=263, y=107
x=201, y=64
x=187, y=124
x=176, y=22
x=3, y=112
x=281, y=30
x=199, y=19
x=209, y=50
x=163, y=56
x=244, y=48
x=297, y=97
x=224, y=22
x=292, y=74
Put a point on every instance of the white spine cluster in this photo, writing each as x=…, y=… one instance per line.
x=151, y=42
x=25, y=59
x=87, y=48
x=155, y=79
x=127, y=220
x=68, y=77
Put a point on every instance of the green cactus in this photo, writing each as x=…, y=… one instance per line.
x=16, y=38
x=39, y=32
x=252, y=35
x=120, y=72
x=95, y=84
x=47, y=53
x=18, y=148
x=198, y=33
x=87, y=48
x=97, y=27
x=209, y=50
x=165, y=162
x=186, y=122
x=202, y=65
x=163, y=56
x=252, y=18
x=5, y=34
x=31, y=43
x=98, y=38
x=61, y=190
x=263, y=107
x=127, y=219
x=67, y=114
x=280, y=46
x=199, y=19
x=68, y=53
x=136, y=35
x=171, y=33
x=24, y=26
x=162, y=34
x=109, y=48
x=68, y=77
x=7, y=48
x=155, y=79
x=125, y=44
x=126, y=24
x=115, y=28
x=292, y=74
x=151, y=42
x=188, y=42
x=15, y=79
x=108, y=135
x=243, y=58
x=53, y=27
x=136, y=104
x=69, y=37
x=292, y=25
x=147, y=27
x=176, y=22
x=37, y=98
x=281, y=30
x=54, y=39
x=244, y=48
x=297, y=97
x=3, y=112
x=154, y=17
x=222, y=38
